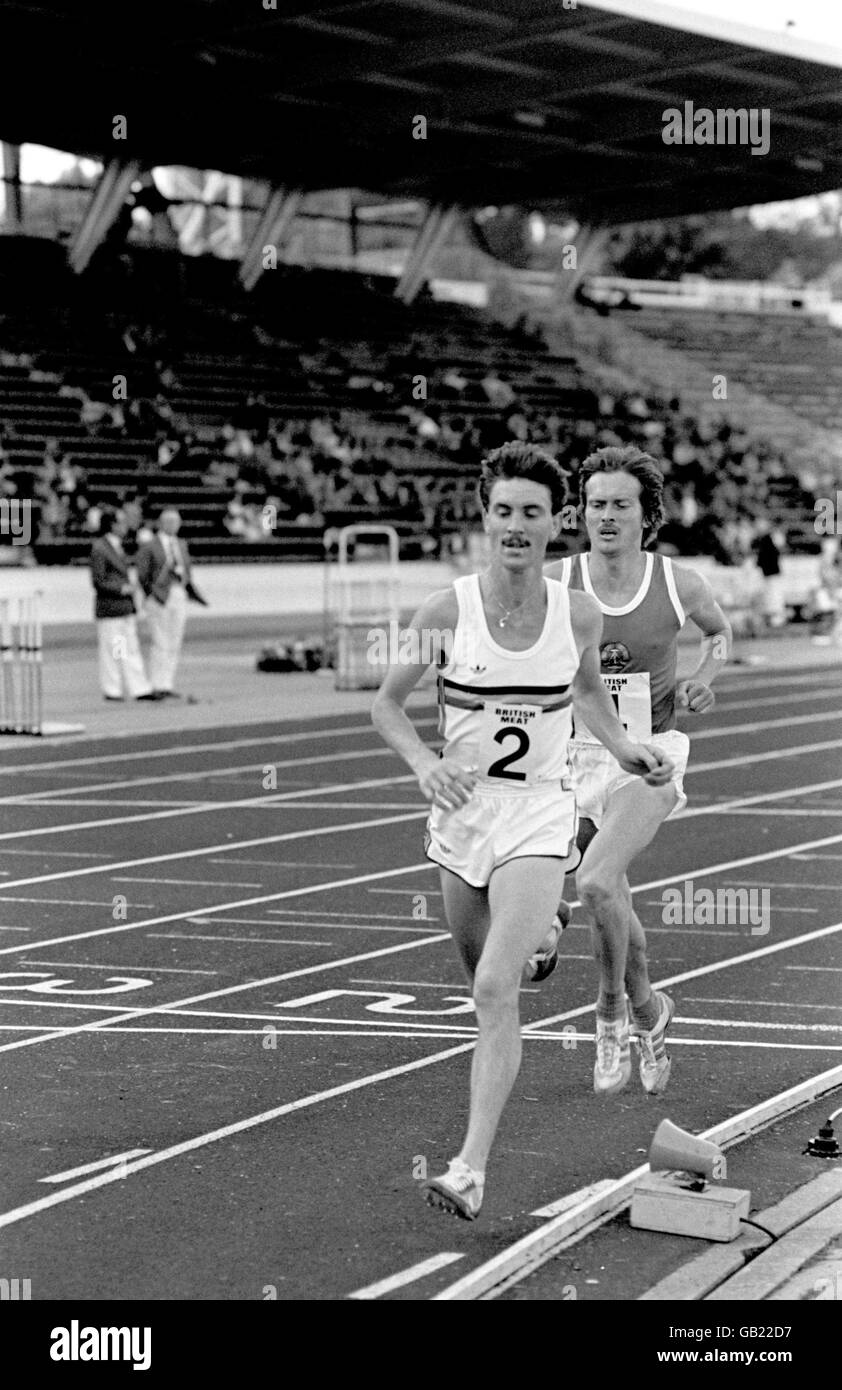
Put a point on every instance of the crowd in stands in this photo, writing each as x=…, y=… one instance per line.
x=420, y=469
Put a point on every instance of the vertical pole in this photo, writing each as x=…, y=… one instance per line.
x=39, y=666
x=4, y=665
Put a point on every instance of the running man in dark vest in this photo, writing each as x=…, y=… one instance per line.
x=645, y=600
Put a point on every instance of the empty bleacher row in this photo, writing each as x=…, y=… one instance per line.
x=795, y=361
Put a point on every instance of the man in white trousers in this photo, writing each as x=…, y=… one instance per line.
x=163, y=567
x=121, y=670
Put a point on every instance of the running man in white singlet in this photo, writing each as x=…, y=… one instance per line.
x=511, y=649
x=644, y=599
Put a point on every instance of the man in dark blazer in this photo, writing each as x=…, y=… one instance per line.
x=121, y=669
x=164, y=572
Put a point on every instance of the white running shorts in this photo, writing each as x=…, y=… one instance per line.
x=598, y=775
x=492, y=828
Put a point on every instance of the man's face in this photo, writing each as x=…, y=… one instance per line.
x=170, y=523
x=121, y=524
x=613, y=513
x=519, y=522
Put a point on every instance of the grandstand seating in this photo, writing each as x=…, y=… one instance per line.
x=298, y=340
x=796, y=361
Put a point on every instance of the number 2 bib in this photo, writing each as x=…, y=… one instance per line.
x=633, y=702
x=510, y=742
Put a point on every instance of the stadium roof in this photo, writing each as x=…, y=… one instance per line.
x=526, y=101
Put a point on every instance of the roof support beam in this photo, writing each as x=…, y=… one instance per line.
x=103, y=209
x=433, y=232
x=275, y=221
x=12, y=202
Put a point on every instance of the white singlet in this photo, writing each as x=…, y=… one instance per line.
x=508, y=714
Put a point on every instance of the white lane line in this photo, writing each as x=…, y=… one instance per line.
x=141, y=969
x=203, y=850
x=364, y=916
x=788, y=1027
x=828, y=969
x=54, y=853
x=72, y=902
x=407, y=1276
x=773, y=883
x=46, y=1003
x=426, y=984
x=428, y=892
x=9, y=1218
x=35, y=800
x=189, y=882
x=318, y=924
x=280, y=863
x=786, y=812
x=16, y=928
x=95, y=1167
x=256, y=940
x=408, y=1032
x=762, y=1003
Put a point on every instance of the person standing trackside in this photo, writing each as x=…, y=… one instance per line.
x=163, y=566
x=120, y=660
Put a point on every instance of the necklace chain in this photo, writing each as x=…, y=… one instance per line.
x=507, y=612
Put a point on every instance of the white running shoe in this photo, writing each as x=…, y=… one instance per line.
x=612, y=1068
x=655, y=1063
x=458, y=1191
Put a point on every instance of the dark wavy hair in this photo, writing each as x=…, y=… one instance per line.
x=517, y=459
x=638, y=465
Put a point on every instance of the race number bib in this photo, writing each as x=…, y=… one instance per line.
x=509, y=742
x=633, y=701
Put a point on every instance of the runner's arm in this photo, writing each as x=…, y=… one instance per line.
x=595, y=705
x=697, y=600
x=432, y=628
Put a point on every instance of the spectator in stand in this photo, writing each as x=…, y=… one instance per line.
x=498, y=392
x=69, y=478
x=53, y=519
x=93, y=414
x=8, y=486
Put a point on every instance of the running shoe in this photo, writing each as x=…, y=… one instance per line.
x=458, y=1191
x=612, y=1068
x=544, y=961
x=655, y=1063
